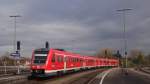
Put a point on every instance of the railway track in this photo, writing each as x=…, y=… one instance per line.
x=78, y=78
x=145, y=70
x=85, y=79
x=82, y=77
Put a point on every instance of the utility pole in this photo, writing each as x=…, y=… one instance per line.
x=123, y=11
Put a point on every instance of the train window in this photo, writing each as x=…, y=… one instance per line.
x=58, y=59
x=66, y=59
x=73, y=59
x=61, y=57
x=53, y=58
x=69, y=59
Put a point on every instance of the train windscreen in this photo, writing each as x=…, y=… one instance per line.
x=40, y=56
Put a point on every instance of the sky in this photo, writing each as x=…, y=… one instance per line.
x=80, y=26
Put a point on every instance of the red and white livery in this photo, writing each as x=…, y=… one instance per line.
x=56, y=61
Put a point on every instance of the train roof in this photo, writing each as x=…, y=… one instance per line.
x=62, y=51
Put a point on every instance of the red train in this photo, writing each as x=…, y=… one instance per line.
x=47, y=62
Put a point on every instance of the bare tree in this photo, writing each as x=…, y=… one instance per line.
x=106, y=53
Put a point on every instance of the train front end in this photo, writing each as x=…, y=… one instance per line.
x=38, y=63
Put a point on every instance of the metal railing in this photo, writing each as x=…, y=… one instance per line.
x=13, y=69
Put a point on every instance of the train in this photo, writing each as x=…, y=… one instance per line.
x=46, y=62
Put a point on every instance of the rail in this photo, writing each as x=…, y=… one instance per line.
x=13, y=69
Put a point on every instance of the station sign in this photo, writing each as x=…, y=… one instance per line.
x=16, y=54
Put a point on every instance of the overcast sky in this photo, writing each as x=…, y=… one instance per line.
x=82, y=26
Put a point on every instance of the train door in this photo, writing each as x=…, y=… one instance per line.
x=67, y=62
x=60, y=62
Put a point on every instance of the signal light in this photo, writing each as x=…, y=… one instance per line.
x=47, y=45
x=18, y=45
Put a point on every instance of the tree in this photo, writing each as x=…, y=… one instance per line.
x=117, y=55
x=134, y=53
x=137, y=57
x=106, y=53
x=140, y=59
x=147, y=59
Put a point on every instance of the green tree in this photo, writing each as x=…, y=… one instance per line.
x=140, y=59
x=147, y=59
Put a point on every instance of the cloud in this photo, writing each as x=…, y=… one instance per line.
x=82, y=26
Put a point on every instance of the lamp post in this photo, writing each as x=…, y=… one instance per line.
x=123, y=11
x=14, y=48
x=15, y=17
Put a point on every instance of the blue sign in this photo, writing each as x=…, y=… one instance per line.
x=17, y=54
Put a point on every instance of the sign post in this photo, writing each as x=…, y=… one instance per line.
x=16, y=55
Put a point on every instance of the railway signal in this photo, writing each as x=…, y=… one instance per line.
x=47, y=45
x=18, y=45
x=16, y=54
